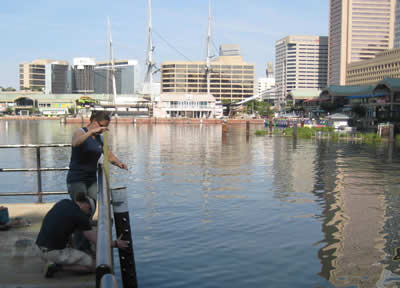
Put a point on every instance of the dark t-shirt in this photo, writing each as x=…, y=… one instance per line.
x=84, y=158
x=59, y=223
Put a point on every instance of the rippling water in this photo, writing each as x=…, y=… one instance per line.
x=226, y=210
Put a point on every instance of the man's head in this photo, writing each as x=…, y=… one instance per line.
x=86, y=204
x=102, y=118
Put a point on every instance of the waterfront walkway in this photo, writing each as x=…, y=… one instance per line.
x=19, y=264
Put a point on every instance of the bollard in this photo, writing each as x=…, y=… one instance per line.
x=294, y=130
x=247, y=128
x=123, y=227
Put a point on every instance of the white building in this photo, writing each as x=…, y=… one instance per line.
x=186, y=106
x=264, y=84
x=301, y=62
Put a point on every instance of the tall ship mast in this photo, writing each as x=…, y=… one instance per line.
x=148, y=80
x=114, y=95
x=208, y=59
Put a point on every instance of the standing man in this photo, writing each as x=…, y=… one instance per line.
x=87, y=148
x=63, y=219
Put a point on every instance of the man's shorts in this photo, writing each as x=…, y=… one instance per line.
x=67, y=256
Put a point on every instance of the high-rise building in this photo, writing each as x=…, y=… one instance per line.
x=83, y=75
x=301, y=62
x=57, y=78
x=32, y=76
x=126, y=77
x=397, y=26
x=269, y=72
x=230, y=78
x=358, y=29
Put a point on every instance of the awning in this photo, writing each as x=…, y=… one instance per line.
x=316, y=100
x=367, y=96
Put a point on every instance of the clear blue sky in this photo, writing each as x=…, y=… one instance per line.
x=62, y=30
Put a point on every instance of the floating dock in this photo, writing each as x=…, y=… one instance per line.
x=20, y=266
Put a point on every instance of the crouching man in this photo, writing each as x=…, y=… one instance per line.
x=60, y=222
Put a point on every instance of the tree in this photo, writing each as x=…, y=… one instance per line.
x=329, y=106
x=359, y=110
x=9, y=110
x=7, y=89
x=262, y=108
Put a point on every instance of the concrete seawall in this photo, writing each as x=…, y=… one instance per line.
x=132, y=120
x=197, y=121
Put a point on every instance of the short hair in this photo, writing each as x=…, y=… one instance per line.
x=100, y=116
x=81, y=197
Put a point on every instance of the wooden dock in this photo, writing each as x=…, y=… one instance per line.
x=19, y=264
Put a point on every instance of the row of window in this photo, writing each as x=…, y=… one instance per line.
x=222, y=91
x=184, y=76
x=202, y=72
x=202, y=66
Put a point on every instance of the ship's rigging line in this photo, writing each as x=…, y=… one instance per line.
x=171, y=46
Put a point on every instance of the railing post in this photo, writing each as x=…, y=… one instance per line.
x=39, y=175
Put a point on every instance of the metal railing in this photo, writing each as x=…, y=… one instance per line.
x=105, y=277
x=104, y=250
x=38, y=169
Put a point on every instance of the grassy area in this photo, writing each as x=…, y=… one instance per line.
x=398, y=139
x=329, y=132
x=261, y=132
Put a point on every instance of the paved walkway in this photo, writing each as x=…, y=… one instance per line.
x=19, y=265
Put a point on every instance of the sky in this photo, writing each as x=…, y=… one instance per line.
x=62, y=30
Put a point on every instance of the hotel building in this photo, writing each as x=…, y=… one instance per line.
x=230, y=79
x=301, y=62
x=358, y=30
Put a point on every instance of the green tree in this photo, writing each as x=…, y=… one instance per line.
x=329, y=106
x=359, y=110
x=9, y=110
x=260, y=107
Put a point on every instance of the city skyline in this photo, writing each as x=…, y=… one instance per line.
x=62, y=31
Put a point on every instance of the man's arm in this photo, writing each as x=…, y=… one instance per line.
x=91, y=235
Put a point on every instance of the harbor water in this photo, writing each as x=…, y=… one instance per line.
x=214, y=209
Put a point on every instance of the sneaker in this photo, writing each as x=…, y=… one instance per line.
x=50, y=269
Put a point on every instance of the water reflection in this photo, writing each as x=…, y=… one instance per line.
x=355, y=213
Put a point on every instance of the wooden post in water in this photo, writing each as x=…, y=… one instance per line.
x=247, y=127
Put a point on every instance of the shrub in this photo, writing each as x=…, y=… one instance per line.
x=398, y=139
x=371, y=138
x=288, y=131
